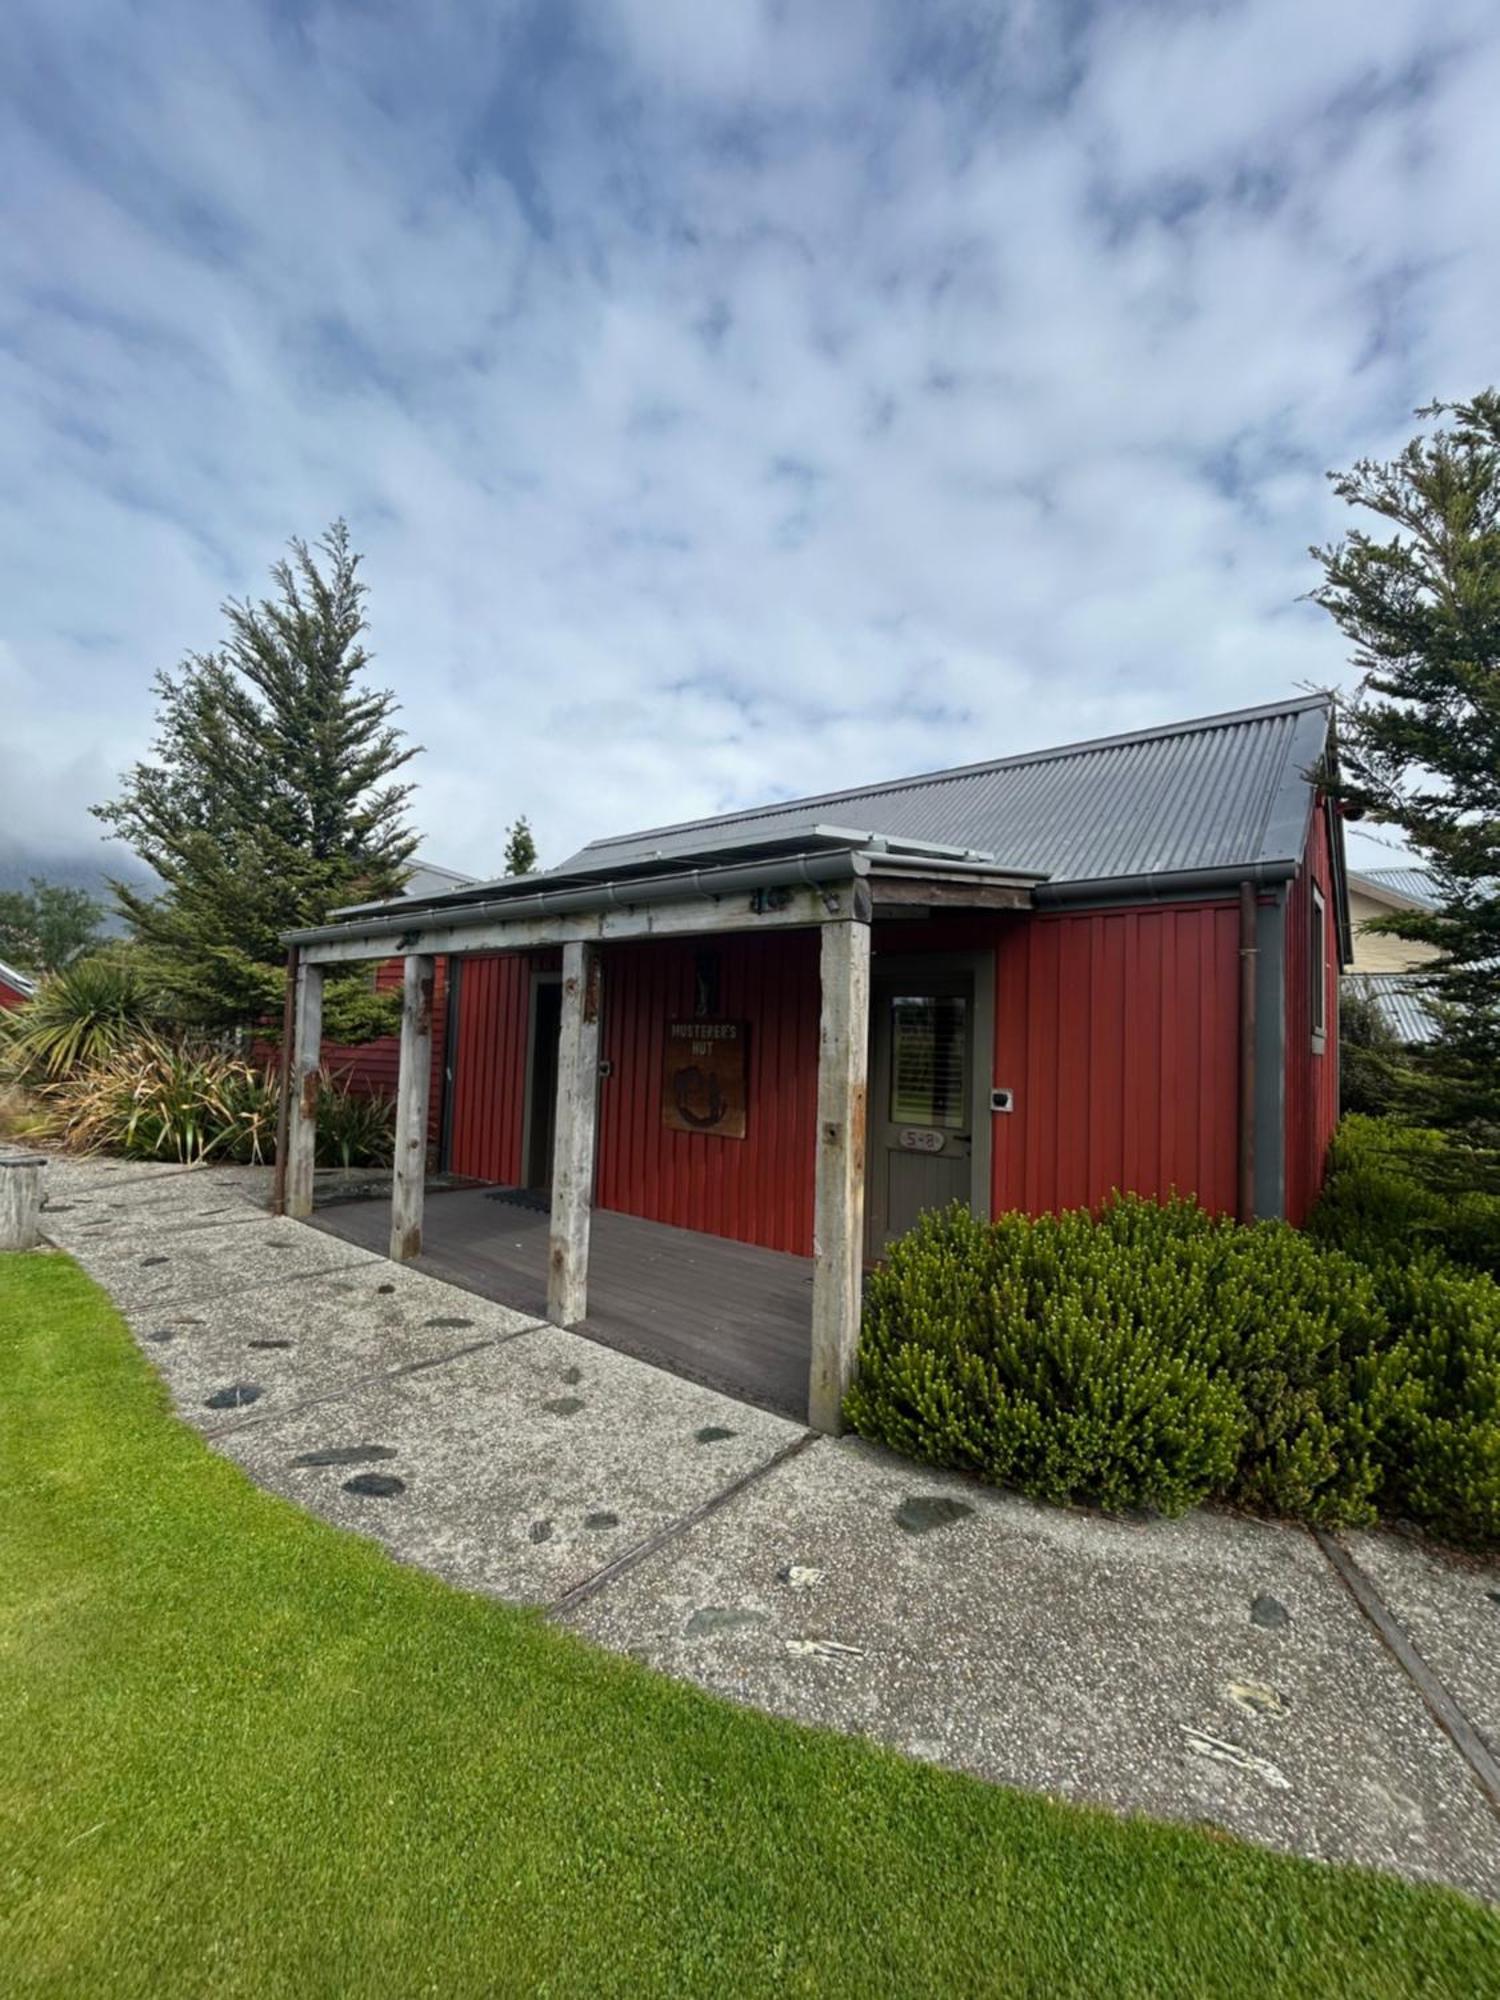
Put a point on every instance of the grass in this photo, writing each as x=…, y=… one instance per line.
x=243, y=1753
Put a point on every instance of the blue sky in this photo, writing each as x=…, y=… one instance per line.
x=732, y=400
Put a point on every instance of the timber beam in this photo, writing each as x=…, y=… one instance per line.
x=839, y=1170
x=775, y=909
x=306, y=1077
x=413, y=1085
x=573, y=1146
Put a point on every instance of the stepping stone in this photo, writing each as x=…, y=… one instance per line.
x=235, y=1396
x=714, y=1618
x=376, y=1485
x=714, y=1434
x=564, y=1406
x=1269, y=1613
x=920, y=1513
x=603, y=1519
x=346, y=1454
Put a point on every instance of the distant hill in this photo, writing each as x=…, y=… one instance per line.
x=88, y=871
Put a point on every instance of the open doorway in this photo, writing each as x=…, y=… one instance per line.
x=541, y=1080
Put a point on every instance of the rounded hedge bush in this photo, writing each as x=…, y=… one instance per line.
x=1155, y=1356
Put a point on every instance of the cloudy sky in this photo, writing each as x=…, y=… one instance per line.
x=732, y=400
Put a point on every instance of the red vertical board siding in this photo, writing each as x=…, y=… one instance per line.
x=374, y=1067
x=489, y=1076
x=757, y=1189
x=12, y=996
x=1312, y=1078
x=1118, y=1032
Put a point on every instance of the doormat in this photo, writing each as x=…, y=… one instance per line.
x=536, y=1200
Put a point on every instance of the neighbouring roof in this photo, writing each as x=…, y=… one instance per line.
x=428, y=879
x=1415, y=885
x=1399, y=998
x=19, y=982
x=1225, y=791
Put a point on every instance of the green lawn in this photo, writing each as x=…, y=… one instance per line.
x=243, y=1753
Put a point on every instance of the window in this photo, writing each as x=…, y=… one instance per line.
x=1318, y=969
x=930, y=1061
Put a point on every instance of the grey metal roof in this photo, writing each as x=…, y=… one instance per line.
x=428, y=879
x=19, y=982
x=1225, y=791
x=1399, y=998
x=1415, y=884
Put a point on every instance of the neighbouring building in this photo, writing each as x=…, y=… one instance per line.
x=1019, y=985
x=373, y=1066
x=16, y=987
x=1389, y=970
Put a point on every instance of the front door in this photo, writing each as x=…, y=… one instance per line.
x=921, y=1099
x=541, y=1080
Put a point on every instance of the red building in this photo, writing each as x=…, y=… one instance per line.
x=1019, y=984
x=16, y=988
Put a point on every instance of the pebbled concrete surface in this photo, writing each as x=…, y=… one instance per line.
x=528, y=1465
x=310, y=1338
x=1213, y=1670
x=1450, y=1606
x=1064, y=1652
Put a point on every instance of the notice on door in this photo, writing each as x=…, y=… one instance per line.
x=703, y=1077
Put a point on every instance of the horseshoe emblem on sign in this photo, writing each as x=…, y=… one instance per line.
x=689, y=1086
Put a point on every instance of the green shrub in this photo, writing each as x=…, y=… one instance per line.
x=1040, y=1355
x=355, y=1128
x=1395, y=1189
x=1151, y=1356
x=81, y=1015
x=179, y=1098
x=1300, y=1333
x=1441, y=1441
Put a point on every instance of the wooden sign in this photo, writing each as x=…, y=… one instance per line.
x=703, y=1077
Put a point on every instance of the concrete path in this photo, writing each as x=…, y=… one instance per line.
x=1215, y=1670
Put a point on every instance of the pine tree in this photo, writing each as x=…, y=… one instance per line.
x=1421, y=736
x=269, y=800
x=520, y=849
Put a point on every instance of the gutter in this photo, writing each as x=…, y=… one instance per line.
x=745, y=877
x=1167, y=887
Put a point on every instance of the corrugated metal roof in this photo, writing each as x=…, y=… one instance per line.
x=1226, y=791
x=428, y=878
x=1413, y=883
x=1398, y=995
x=18, y=981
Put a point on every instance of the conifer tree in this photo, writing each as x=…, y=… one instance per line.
x=520, y=849
x=1419, y=600
x=270, y=799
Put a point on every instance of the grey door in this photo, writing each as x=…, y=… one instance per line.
x=921, y=1100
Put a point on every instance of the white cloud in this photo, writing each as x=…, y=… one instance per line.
x=731, y=401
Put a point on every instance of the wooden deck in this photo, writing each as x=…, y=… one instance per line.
x=728, y=1314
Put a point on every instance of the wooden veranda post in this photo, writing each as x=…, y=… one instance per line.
x=839, y=1187
x=302, y=1133
x=413, y=1084
x=573, y=1147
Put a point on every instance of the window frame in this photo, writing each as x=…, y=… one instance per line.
x=1318, y=969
